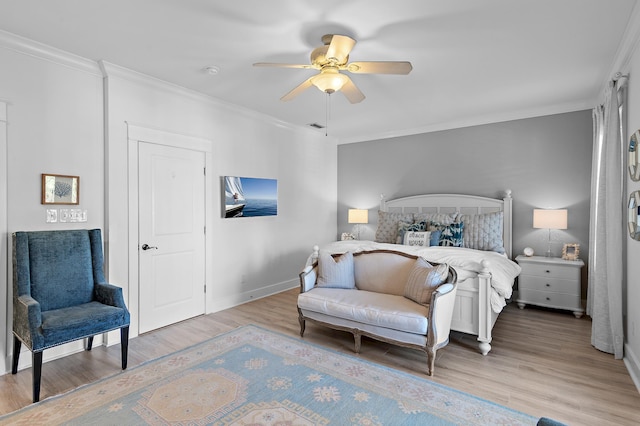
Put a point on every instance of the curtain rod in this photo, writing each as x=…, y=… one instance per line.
x=617, y=76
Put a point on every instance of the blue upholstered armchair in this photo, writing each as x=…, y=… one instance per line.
x=60, y=294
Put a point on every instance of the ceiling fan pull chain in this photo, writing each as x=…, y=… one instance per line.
x=327, y=112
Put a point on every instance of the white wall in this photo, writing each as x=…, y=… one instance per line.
x=249, y=257
x=54, y=125
x=632, y=323
x=58, y=123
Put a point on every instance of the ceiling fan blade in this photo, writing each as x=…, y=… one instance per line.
x=275, y=65
x=352, y=93
x=380, y=67
x=297, y=90
x=340, y=47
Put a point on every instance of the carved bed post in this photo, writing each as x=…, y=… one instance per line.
x=484, y=311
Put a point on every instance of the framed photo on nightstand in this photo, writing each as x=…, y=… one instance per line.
x=571, y=251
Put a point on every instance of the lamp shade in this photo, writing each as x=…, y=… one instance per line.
x=358, y=216
x=550, y=219
x=329, y=80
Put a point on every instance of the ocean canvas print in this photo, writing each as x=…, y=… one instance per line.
x=250, y=197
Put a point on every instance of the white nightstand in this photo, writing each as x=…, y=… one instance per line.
x=551, y=282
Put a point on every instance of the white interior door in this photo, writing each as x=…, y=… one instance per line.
x=171, y=249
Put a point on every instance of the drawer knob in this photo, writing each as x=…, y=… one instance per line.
x=548, y=298
x=547, y=271
x=548, y=285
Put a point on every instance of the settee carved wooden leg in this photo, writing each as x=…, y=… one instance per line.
x=357, y=337
x=302, y=325
x=431, y=360
x=89, y=343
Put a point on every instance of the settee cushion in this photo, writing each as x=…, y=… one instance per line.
x=336, y=273
x=66, y=324
x=382, y=272
x=423, y=279
x=366, y=307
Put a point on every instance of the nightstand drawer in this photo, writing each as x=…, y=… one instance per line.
x=548, y=284
x=552, y=300
x=556, y=271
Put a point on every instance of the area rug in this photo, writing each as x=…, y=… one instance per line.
x=253, y=376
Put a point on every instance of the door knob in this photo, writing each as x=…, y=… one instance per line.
x=148, y=247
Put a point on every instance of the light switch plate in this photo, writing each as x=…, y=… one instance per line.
x=52, y=215
x=64, y=215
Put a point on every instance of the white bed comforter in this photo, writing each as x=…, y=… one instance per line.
x=467, y=263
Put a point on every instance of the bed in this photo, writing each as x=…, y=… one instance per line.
x=485, y=272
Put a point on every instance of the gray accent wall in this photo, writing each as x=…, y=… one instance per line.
x=545, y=161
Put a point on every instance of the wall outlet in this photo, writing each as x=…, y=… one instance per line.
x=52, y=215
x=64, y=215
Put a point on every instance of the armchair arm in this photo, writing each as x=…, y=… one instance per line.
x=308, y=278
x=110, y=294
x=27, y=321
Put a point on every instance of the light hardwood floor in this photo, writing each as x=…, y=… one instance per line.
x=542, y=362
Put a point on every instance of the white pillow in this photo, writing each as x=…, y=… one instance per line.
x=336, y=273
x=417, y=238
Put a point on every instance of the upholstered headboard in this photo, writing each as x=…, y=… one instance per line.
x=451, y=203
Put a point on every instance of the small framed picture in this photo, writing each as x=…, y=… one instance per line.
x=571, y=251
x=60, y=189
x=346, y=236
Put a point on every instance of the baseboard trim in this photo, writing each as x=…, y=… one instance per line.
x=241, y=298
x=632, y=362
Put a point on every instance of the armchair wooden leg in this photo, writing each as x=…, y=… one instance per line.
x=124, y=345
x=17, y=345
x=89, y=343
x=37, y=375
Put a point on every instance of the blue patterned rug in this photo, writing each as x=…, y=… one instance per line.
x=252, y=376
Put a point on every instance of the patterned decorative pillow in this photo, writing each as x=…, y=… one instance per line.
x=423, y=279
x=336, y=273
x=418, y=239
x=404, y=227
x=387, y=231
x=441, y=218
x=452, y=235
x=484, y=231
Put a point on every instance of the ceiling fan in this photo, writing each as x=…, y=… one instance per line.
x=332, y=58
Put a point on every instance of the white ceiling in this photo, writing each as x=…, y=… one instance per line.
x=474, y=61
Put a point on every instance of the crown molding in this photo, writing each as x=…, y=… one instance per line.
x=110, y=70
x=38, y=50
x=473, y=121
x=626, y=49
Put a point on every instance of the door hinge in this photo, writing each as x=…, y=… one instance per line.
x=205, y=171
x=205, y=288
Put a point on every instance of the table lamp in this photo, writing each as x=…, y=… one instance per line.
x=549, y=219
x=357, y=217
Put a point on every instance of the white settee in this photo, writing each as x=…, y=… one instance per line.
x=379, y=306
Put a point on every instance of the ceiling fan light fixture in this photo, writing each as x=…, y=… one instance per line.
x=329, y=80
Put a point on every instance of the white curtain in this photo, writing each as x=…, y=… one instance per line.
x=607, y=224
